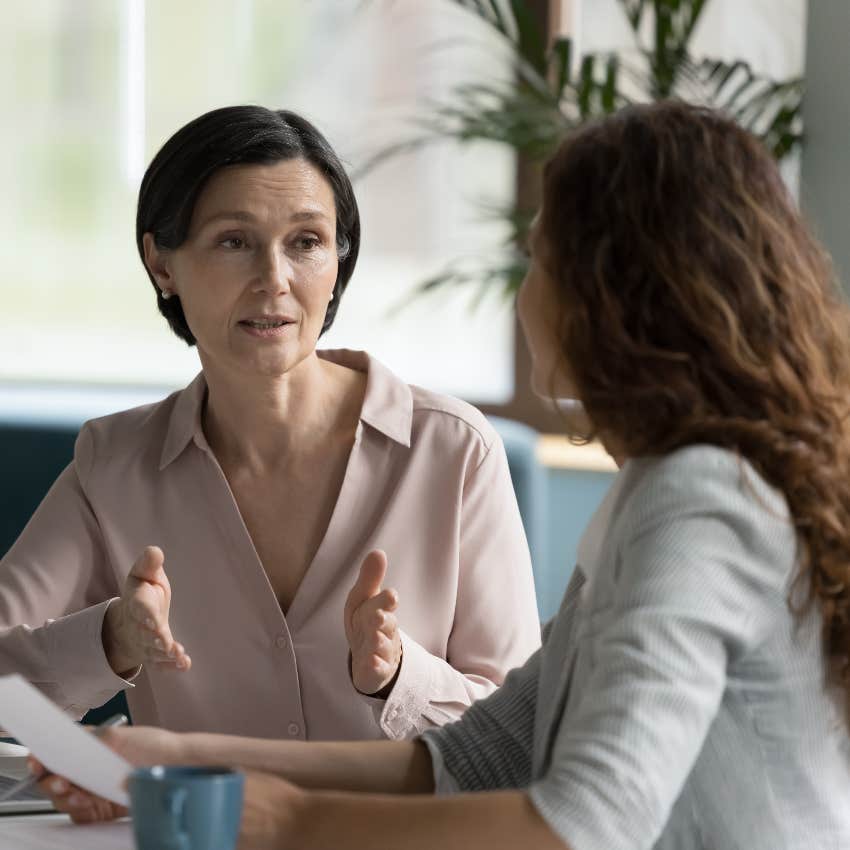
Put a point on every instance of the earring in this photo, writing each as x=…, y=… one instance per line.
x=166, y=294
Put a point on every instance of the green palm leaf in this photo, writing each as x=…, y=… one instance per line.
x=550, y=95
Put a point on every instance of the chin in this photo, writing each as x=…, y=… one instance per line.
x=542, y=385
x=539, y=388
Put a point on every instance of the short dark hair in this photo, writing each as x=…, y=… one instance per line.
x=237, y=135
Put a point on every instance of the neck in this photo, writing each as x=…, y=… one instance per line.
x=261, y=421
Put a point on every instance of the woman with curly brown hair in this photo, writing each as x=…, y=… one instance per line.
x=693, y=690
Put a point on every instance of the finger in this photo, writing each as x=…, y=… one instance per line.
x=35, y=767
x=148, y=606
x=378, y=669
x=149, y=566
x=181, y=665
x=54, y=786
x=154, y=652
x=369, y=580
x=376, y=643
x=387, y=599
x=366, y=613
x=376, y=620
x=389, y=624
x=87, y=808
x=86, y=814
x=162, y=644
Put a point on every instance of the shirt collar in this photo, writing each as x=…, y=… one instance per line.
x=184, y=424
x=387, y=405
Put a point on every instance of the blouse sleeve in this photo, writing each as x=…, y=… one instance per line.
x=496, y=627
x=55, y=585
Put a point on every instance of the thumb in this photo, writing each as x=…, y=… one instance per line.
x=369, y=581
x=149, y=566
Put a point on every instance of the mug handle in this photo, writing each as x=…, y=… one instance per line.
x=175, y=800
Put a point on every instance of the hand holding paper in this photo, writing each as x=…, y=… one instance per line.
x=61, y=745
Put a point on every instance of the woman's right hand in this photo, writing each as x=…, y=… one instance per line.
x=139, y=745
x=135, y=628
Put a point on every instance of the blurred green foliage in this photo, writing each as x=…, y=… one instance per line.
x=552, y=92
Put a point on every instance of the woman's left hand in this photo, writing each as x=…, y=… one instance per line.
x=371, y=627
x=268, y=812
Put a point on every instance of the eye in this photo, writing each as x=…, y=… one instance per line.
x=234, y=243
x=307, y=242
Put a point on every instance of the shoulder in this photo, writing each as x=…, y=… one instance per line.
x=451, y=420
x=701, y=476
x=126, y=434
x=706, y=502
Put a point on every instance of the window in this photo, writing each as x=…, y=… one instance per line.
x=99, y=85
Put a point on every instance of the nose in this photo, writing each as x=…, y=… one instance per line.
x=274, y=273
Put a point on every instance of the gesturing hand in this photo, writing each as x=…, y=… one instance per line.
x=135, y=629
x=371, y=627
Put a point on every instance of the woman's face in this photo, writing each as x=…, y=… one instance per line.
x=257, y=271
x=539, y=310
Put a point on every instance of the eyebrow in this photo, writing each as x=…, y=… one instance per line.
x=244, y=215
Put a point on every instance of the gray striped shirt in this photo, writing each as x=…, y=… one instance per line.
x=676, y=703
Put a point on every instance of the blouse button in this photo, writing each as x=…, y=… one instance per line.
x=293, y=729
x=280, y=642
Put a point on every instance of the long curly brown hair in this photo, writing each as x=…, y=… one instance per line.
x=698, y=308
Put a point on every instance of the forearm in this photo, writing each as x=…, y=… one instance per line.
x=385, y=767
x=496, y=820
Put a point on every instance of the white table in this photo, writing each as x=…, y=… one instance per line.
x=56, y=832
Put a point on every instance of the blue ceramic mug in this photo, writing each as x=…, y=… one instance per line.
x=186, y=808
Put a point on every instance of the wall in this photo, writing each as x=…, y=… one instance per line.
x=825, y=185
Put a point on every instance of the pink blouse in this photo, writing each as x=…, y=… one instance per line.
x=427, y=481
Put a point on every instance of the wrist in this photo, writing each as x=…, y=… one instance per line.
x=193, y=748
x=385, y=690
x=120, y=659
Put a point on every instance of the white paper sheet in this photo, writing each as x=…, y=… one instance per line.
x=52, y=832
x=61, y=745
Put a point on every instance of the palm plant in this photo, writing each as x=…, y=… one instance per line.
x=552, y=93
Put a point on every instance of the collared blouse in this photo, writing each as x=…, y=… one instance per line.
x=427, y=481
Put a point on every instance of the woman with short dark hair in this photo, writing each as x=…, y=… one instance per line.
x=280, y=478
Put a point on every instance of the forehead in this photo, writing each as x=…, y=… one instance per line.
x=284, y=186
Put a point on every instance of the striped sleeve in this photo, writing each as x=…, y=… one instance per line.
x=491, y=746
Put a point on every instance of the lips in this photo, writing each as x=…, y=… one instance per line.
x=263, y=323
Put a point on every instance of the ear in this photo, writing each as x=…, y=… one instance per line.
x=157, y=261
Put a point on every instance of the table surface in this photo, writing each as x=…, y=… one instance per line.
x=56, y=832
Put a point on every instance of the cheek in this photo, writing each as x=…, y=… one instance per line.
x=321, y=286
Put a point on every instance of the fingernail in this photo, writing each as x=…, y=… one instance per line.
x=57, y=786
x=159, y=644
x=150, y=623
x=75, y=800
